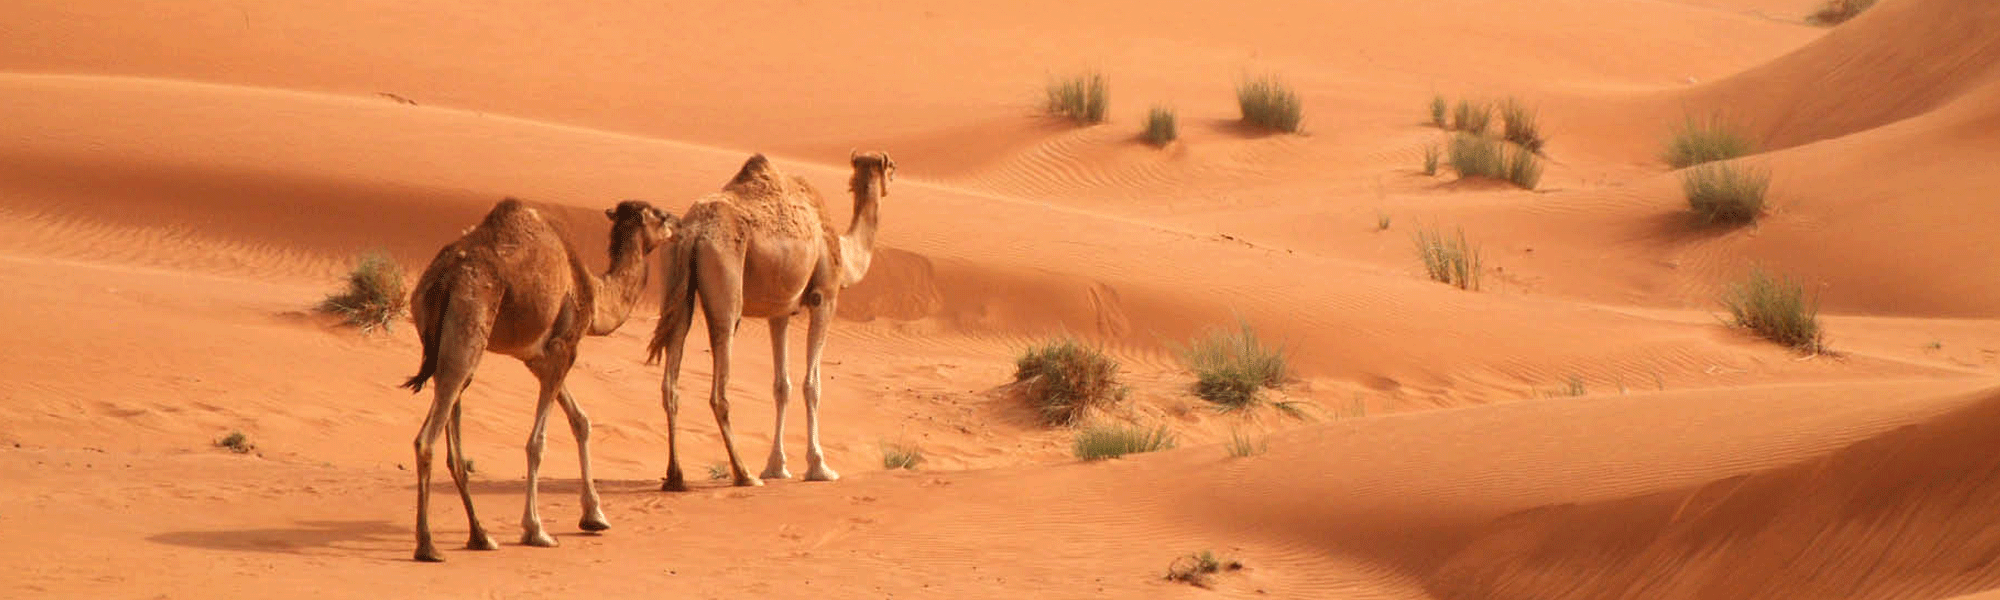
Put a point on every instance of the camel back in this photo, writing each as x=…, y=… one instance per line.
x=768, y=200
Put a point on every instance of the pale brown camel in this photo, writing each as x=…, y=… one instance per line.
x=514, y=285
x=763, y=247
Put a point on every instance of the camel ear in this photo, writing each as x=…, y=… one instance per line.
x=611, y=213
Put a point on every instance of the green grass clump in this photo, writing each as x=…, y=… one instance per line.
x=236, y=442
x=1270, y=104
x=1695, y=142
x=1725, y=192
x=1084, y=98
x=376, y=296
x=1161, y=127
x=1449, y=259
x=1431, y=155
x=1519, y=126
x=1198, y=569
x=1476, y=156
x=1835, y=12
x=718, y=471
x=1113, y=441
x=901, y=456
x=1066, y=380
x=1437, y=112
x=1231, y=365
x=1241, y=445
x=1471, y=117
x=1776, y=308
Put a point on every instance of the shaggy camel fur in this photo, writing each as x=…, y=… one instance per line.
x=763, y=247
x=514, y=285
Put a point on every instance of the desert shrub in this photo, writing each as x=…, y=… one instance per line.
x=1241, y=445
x=1161, y=126
x=718, y=471
x=1699, y=141
x=1725, y=192
x=1835, y=12
x=1066, y=380
x=1084, y=97
x=1270, y=104
x=1524, y=169
x=1431, y=155
x=236, y=442
x=375, y=296
x=901, y=456
x=1471, y=116
x=1437, y=112
x=1199, y=568
x=1231, y=364
x=1474, y=156
x=1449, y=259
x=1382, y=221
x=1519, y=125
x=1113, y=441
x=1776, y=308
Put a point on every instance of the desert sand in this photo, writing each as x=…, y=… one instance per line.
x=180, y=183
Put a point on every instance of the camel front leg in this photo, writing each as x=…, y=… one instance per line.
x=579, y=427
x=822, y=319
x=532, y=533
x=781, y=392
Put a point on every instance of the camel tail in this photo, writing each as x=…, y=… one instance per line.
x=677, y=305
x=434, y=295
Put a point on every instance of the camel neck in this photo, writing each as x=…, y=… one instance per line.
x=620, y=287
x=857, y=246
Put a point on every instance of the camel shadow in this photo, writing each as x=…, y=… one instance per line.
x=359, y=536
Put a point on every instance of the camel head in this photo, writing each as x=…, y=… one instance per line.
x=872, y=165
x=655, y=226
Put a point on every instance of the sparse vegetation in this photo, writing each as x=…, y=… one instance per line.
x=1835, y=12
x=1084, y=97
x=1112, y=441
x=236, y=442
x=1066, y=380
x=1199, y=569
x=1241, y=445
x=1574, y=387
x=376, y=296
x=1471, y=116
x=901, y=456
x=1776, y=308
x=1231, y=365
x=1475, y=156
x=1431, y=153
x=1699, y=141
x=1449, y=259
x=1161, y=126
x=1437, y=112
x=1725, y=192
x=1381, y=221
x=718, y=471
x=1520, y=127
x=1269, y=103
x=468, y=465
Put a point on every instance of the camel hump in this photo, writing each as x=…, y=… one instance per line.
x=756, y=169
x=503, y=211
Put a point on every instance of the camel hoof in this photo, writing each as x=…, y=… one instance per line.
x=427, y=553
x=538, y=539
x=777, y=473
x=821, y=473
x=748, y=481
x=593, y=523
x=482, y=542
x=673, y=485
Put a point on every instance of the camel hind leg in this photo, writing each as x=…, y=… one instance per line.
x=476, y=538
x=721, y=292
x=454, y=373
x=670, y=397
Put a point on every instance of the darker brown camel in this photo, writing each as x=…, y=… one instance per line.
x=763, y=247
x=514, y=285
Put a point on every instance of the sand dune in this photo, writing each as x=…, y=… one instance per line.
x=181, y=183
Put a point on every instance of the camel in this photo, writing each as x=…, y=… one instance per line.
x=514, y=285
x=763, y=247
